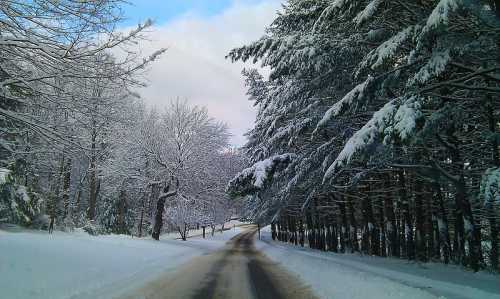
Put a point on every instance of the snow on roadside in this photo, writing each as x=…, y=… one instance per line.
x=352, y=276
x=75, y=265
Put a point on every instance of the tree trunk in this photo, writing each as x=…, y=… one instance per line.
x=66, y=186
x=334, y=236
x=160, y=206
x=141, y=219
x=493, y=237
x=122, y=206
x=442, y=219
x=419, y=223
x=78, y=200
x=383, y=243
x=93, y=179
x=407, y=220
x=301, y=232
x=293, y=226
x=183, y=231
x=370, y=234
x=310, y=236
x=343, y=227
x=367, y=226
x=353, y=229
x=471, y=230
x=492, y=217
x=496, y=7
x=391, y=225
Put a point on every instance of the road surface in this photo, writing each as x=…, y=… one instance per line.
x=236, y=271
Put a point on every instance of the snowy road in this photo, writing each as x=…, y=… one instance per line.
x=36, y=265
x=75, y=265
x=236, y=271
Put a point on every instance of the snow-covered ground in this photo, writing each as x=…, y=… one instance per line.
x=75, y=265
x=350, y=276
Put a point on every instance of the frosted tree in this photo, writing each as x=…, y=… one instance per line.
x=44, y=41
x=421, y=66
x=308, y=65
x=381, y=110
x=184, y=143
x=50, y=52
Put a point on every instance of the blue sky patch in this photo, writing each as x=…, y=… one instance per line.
x=162, y=11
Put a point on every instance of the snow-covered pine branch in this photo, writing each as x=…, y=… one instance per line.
x=367, y=12
x=397, y=120
x=355, y=97
x=256, y=177
x=490, y=186
x=386, y=52
x=434, y=67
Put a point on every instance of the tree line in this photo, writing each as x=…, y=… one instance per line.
x=78, y=146
x=378, y=128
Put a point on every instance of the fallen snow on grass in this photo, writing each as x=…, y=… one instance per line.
x=75, y=265
x=350, y=276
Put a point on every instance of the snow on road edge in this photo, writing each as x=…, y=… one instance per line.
x=344, y=276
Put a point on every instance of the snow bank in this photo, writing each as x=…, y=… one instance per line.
x=63, y=265
x=349, y=276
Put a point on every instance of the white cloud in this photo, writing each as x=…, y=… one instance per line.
x=194, y=66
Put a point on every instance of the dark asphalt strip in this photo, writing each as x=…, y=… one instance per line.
x=210, y=282
x=237, y=271
x=261, y=282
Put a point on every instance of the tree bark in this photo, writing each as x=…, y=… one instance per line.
x=92, y=178
x=492, y=217
x=273, y=231
x=419, y=223
x=66, y=186
x=391, y=225
x=309, y=226
x=343, y=227
x=122, y=206
x=407, y=220
x=442, y=219
x=301, y=232
x=353, y=228
x=141, y=219
x=160, y=206
x=493, y=238
x=383, y=243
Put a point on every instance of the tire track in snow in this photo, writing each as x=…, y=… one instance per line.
x=236, y=271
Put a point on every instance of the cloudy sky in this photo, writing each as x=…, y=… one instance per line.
x=198, y=34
